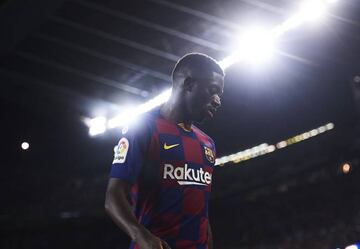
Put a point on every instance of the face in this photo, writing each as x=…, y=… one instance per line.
x=203, y=96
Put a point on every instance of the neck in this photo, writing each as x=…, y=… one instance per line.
x=174, y=111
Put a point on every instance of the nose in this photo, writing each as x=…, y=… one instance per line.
x=216, y=102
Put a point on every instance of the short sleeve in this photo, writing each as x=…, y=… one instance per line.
x=130, y=153
x=214, y=148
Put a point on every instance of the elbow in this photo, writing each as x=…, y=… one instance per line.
x=107, y=206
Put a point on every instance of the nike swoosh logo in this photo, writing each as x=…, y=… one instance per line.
x=167, y=147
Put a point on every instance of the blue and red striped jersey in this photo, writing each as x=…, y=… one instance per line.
x=170, y=170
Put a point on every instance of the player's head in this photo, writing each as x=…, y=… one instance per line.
x=199, y=81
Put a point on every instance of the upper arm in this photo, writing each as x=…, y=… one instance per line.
x=130, y=153
x=117, y=190
x=116, y=185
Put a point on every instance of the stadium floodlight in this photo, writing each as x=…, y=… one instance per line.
x=245, y=155
x=313, y=10
x=256, y=46
x=97, y=126
x=281, y=144
x=264, y=148
x=158, y=100
x=25, y=145
x=309, y=10
x=122, y=119
x=352, y=247
x=345, y=168
x=131, y=114
x=329, y=126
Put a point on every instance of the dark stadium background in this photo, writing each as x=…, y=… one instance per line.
x=62, y=61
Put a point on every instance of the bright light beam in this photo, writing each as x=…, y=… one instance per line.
x=356, y=246
x=313, y=10
x=256, y=46
x=130, y=115
x=97, y=126
x=25, y=145
x=265, y=148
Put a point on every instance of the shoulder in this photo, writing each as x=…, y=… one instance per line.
x=203, y=137
x=142, y=126
x=146, y=120
x=134, y=137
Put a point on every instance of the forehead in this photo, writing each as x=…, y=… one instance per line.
x=215, y=79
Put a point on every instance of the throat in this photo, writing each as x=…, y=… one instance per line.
x=176, y=114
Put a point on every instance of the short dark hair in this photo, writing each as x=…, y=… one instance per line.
x=196, y=61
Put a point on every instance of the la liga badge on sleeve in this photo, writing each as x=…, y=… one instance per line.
x=209, y=154
x=121, y=150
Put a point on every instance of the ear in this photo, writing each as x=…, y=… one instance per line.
x=189, y=84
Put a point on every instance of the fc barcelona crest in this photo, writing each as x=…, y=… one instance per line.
x=209, y=155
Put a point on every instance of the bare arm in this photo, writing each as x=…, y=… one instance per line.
x=119, y=209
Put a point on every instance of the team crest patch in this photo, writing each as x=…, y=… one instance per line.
x=209, y=154
x=121, y=150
